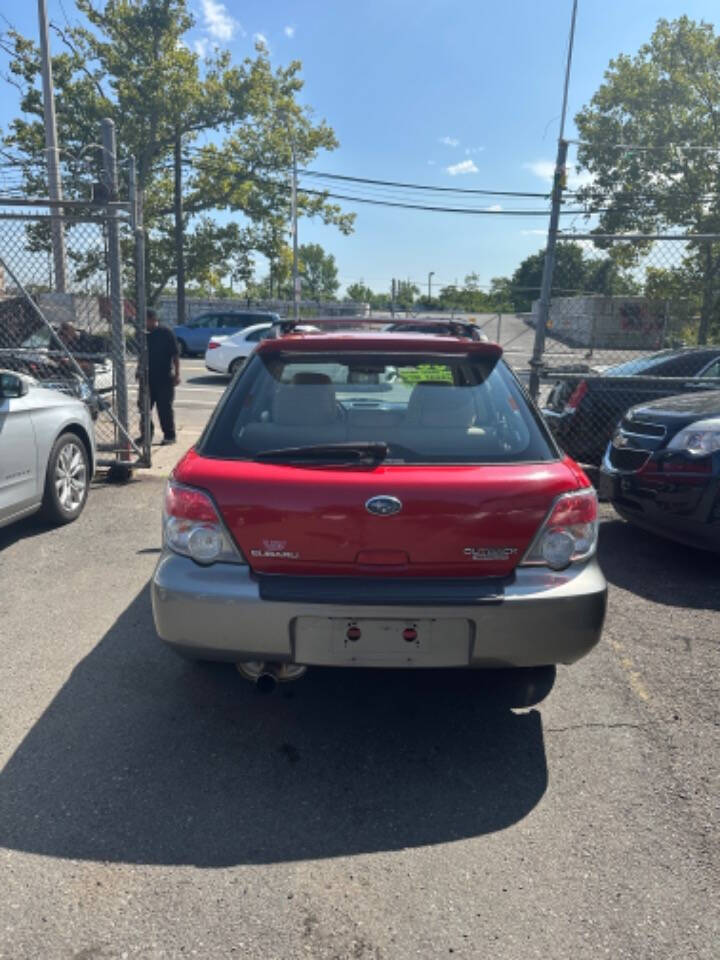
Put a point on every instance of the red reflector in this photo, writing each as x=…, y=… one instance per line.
x=213, y=345
x=576, y=396
x=410, y=634
x=353, y=633
x=189, y=504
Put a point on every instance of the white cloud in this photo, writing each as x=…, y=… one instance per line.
x=431, y=163
x=201, y=46
x=470, y=151
x=218, y=21
x=545, y=170
x=261, y=40
x=449, y=141
x=466, y=166
x=495, y=208
x=534, y=233
x=289, y=32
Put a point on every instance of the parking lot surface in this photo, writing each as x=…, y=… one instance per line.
x=153, y=808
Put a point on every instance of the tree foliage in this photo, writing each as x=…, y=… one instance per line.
x=644, y=138
x=318, y=271
x=128, y=61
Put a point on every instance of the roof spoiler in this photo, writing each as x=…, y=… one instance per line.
x=455, y=328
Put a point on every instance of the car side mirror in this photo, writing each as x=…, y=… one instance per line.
x=11, y=386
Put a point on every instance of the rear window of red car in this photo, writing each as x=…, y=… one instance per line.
x=426, y=408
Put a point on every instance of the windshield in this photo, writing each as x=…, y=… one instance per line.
x=422, y=409
x=661, y=363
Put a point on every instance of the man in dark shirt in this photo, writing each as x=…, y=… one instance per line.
x=163, y=373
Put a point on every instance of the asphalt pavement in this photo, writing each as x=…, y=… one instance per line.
x=155, y=808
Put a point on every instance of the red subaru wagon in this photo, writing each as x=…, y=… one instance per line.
x=378, y=500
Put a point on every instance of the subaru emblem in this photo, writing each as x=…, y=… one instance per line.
x=383, y=506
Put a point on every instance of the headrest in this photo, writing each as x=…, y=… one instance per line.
x=437, y=404
x=305, y=405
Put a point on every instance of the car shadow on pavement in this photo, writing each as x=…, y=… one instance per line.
x=658, y=569
x=145, y=758
x=32, y=526
x=210, y=380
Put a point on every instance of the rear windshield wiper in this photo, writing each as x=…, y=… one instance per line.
x=374, y=452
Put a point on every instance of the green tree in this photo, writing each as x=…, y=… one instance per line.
x=500, y=294
x=405, y=294
x=360, y=293
x=568, y=277
x=131, y=63
x=318, y=271
x=660, y=103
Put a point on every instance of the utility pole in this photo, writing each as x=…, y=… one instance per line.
x=536, y=362
x=295, y=274
x=116, y=293
x=51, y=148
x=179, y=231
x=430, y=276
x=394, y=294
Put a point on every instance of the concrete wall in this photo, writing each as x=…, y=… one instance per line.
x=82, y=311
x=167, y=308
x=628, y=323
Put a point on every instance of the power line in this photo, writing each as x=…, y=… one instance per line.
x=478, y=211
x=422, y=186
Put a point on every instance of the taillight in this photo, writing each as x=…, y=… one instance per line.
x=192, y=527
x=573, y=401
x=569, y=533
x=213, y=345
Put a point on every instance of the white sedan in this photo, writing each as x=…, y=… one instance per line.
x=228, y=354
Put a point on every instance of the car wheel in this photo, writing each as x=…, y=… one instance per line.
x=67, y=480
x=237, y=364
x=182, y=348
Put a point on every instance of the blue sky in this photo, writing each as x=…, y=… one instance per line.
x=415, y=90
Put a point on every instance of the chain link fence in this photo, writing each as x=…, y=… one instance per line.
x=79, y=333
x=631, y=320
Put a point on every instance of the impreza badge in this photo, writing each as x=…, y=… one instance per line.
x=490, y=553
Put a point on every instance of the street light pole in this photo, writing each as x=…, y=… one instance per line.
x=296, y=278
x=51, y=148
x=430, y=276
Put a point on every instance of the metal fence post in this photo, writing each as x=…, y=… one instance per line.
x=116, y=292
x=548, y=267
x=136, y=215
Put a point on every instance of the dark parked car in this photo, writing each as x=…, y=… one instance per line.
x=194, y=336
x=584, y=410
x=662, y=469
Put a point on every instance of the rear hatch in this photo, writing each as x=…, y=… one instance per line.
x=454, y=521
x=466, y=470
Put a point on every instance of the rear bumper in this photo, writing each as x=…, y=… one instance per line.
x=685, y=513
x=218, y=613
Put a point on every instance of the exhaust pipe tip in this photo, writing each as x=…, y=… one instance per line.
x=266, y=682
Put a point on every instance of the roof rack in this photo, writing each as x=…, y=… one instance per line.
x=456, y=328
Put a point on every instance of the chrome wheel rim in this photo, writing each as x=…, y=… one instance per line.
x=70, y=476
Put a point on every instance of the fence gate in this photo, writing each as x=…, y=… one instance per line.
x=81, y=333
x=616, y=301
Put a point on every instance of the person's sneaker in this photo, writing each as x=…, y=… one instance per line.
x=166, y=441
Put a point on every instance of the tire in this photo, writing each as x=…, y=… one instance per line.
x=237, y=364
x=67, y=480
x=182, y=348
